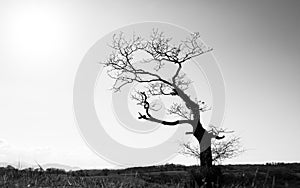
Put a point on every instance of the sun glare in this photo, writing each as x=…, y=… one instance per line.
x=35, y=29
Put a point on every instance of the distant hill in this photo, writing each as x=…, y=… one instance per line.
x=23, y=165
x=58, y=166
x=18, y=165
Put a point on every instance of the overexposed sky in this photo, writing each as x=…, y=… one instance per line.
x=42, y=43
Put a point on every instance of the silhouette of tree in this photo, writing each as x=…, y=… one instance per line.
x=158, y=51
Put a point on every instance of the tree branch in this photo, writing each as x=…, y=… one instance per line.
x=122, y=68
x=149, y=117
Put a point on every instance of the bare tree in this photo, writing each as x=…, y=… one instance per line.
x=123, y=66
x=227, y=148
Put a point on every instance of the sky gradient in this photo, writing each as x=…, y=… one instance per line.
x=256, y=43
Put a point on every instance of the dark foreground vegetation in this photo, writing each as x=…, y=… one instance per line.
x=170, y=175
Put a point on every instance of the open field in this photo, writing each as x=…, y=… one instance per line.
x=270, y=175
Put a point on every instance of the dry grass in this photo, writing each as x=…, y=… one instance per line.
x=243, y=176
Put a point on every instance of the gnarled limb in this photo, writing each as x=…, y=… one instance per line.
x=149, y=117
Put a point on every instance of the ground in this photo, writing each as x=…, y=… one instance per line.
x=166, y=176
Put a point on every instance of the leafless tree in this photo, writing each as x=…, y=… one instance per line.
x=123, y=66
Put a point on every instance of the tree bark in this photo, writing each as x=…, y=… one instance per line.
x=204, y=140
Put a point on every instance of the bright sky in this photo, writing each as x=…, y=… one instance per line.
x=256, y=43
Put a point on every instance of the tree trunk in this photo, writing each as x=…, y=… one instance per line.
x=205, y=145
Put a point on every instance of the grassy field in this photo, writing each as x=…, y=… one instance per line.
x=170, y=175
